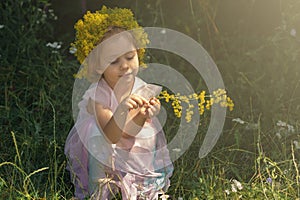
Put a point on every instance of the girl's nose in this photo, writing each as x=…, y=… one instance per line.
x=124, y=65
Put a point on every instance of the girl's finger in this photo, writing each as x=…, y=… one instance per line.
x=139, y=99
x=132, y=104
x=143, y=111
x=155, y=109
x=154, y=100
x=150, y=112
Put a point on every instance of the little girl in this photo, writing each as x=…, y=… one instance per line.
x=117, y=143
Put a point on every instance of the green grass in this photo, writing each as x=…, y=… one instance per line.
x=208, y=178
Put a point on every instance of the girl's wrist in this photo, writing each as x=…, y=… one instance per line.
x=121, y=111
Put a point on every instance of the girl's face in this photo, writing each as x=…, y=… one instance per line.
x=120, y=57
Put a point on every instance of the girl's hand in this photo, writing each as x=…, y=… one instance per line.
x=127, y=110
x=143, y=110
x=152, y=108
x=133, y=102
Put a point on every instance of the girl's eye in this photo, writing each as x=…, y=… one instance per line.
x=127, y=57
x=130, y=58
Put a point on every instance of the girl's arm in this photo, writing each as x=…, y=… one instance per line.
x=113, y=124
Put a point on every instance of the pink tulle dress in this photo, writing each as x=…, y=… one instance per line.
x=139, y=167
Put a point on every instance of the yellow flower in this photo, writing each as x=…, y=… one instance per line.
x=201, y=97
x=91, y=29
x=205, y=102
x=208, y=104
x=230, y=103
x=185, y=98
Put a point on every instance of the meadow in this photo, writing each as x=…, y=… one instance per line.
x=255, y=45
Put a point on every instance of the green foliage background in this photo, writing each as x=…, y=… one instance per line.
x=253, y=45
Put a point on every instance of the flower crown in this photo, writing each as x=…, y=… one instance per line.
x=93, y=27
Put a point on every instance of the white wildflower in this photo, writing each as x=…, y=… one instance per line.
x=180, y=198
x=285, y=125
x=227, y=192
x=238, y=120
x=72, y=50
x=293, y=32
x=233, y=188
x=164, y=197
x=252, y=126
x=176, y=150
x=54, y=45
x=290, y=128
x=278, y=135
x=1, y=26
x=297, y=145
x=281, y=123
x=237, y=184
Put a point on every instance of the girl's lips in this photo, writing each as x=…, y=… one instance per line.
x=127, y=74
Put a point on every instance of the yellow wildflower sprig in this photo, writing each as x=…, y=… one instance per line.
x=204, y=102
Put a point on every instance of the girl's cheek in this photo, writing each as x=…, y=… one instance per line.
x=135, y=71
